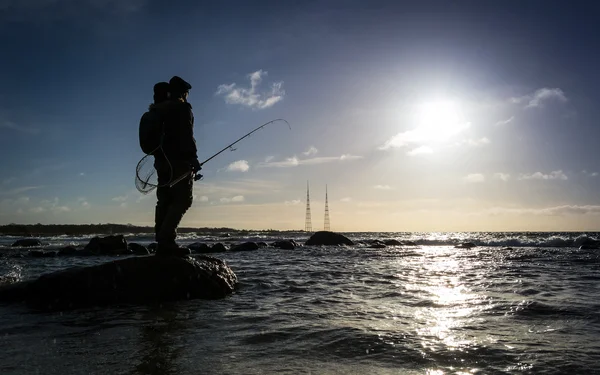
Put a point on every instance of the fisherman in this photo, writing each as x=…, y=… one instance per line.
x=179, y=158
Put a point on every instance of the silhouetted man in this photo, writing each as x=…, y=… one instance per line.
x=179, y=159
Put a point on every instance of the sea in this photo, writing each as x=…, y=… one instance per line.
x=517, y=303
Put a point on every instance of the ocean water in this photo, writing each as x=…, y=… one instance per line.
x=533, y=308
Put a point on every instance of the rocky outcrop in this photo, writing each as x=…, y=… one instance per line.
x=67, y=250
x=218, y=248
x=392, y=242
x=27, y=242
x=328, y=239
x=109, y=245
x=377, y=246
x=200, y=248
x=149, y=279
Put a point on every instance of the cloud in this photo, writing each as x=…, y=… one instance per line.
x=121, y=198
x=37, y=210
x=420, y=151
x=383, y=187
x=502, y=176
x=250, y=97
x=478, y=142
x=9, y=180
x=590, y=174
x=311, y=151
x=269, y=158
x=19, y=128
x=539, y=97
x=554, y=175
x=475, y=178
x=236, y=199
x=203, y=198
x=294, y=161
x=19, y=190
x=548, y=211
x=240, y=166
x=507, y=121
x=346, y=199
x=294, y=202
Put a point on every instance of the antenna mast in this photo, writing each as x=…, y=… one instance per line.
x=327, y=227
x=307, y=224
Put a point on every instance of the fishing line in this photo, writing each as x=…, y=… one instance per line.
x=146, y=176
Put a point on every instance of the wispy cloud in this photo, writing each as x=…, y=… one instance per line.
x=19, y=190
x=236, y=199
x=478, y=142
x=507, y=121
x=590, y=174
x=383, y=187
x=420, y=151
x=250, y=96
x=502, y=176
x=346, y=199
x=121, y=198
x=294, y=161
x=311, y=151
x=238, y=166
x=19, y=128
x=293, y=202
x=548, y=211
x=9, y=180
x=554, y=175
x=475, y=178
x=539, y=97
x=203, y=198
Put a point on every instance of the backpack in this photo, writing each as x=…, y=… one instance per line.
x=151, y=131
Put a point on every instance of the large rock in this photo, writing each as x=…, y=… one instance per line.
x=27, y=242
x=392, y=242
x=147, y=279
x=328, y=239
x=285, y=245
x=138, y=249
x=109, y=245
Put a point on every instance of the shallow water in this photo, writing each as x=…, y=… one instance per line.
x=409, y=310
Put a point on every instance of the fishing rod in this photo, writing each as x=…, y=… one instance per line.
x=228, y=147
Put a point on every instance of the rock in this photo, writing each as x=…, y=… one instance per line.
x=507, y=248
x=138, y=249
x=110, y=245
x=285, y=245
x=27, y=242
x=328, y=239
x=42, y=254
x=466, y=245
x=152, y=247
x=410, y=243
x=67, y=250
x=377, y=246
x=588, y=247
x=218, y=248
x=148, y=279
x=376, y=242
x=392, y=242
x=199, y=248
x=262, y=244
x=246, y=246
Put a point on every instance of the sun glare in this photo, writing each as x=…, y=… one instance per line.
x=439, y=120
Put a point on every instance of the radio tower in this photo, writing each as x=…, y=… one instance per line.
x=326, y=211
x=307, y=224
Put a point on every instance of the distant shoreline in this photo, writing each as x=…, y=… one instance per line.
x=32, y=230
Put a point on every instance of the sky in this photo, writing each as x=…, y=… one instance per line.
x=416, y=115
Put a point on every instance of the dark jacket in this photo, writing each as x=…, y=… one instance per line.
x=179, y=144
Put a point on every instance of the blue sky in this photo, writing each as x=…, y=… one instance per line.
x=419, y=116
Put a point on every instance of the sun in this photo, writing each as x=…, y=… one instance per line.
x=437, y=121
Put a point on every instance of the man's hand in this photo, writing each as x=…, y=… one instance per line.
x=196, y=167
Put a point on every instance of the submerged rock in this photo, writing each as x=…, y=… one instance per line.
x=392, y=242
x=147, y=279
x=377, y=246
x=67, y=250
x=199, y=248
x=218, y=248
x=27, y=242
x=262, y=244
x=466, y=245
x=328, y=239
x=246, y=246
x=42, y=254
